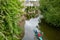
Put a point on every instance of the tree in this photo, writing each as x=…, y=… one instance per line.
x=51, y=11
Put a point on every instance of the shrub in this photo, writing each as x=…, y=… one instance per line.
x=10, y=12
x=51, y=11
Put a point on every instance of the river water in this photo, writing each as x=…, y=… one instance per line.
x=49, y=32
x=29, y=26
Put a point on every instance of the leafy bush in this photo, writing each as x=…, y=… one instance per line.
x=31, y=11
x=51, y=11
x=10, y=12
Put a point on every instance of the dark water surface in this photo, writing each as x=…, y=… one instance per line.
x=50, y=32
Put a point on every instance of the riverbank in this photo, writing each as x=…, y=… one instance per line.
x=21, y=24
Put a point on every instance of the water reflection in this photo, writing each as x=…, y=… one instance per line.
x=29, y=26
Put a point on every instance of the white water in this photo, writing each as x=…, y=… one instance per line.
x=29, y=26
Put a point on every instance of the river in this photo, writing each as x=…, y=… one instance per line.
x=49, y=32
x=29, y=27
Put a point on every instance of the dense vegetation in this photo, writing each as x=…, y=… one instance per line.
x=51, y=11
x=10, y=12
x=31, y=11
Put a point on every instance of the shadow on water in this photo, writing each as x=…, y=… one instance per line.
x=50, y=32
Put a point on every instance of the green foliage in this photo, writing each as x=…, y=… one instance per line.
x=31, y=11
x=31, y=8
x=29, y=16
x=10, y=12
x=51, y=11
